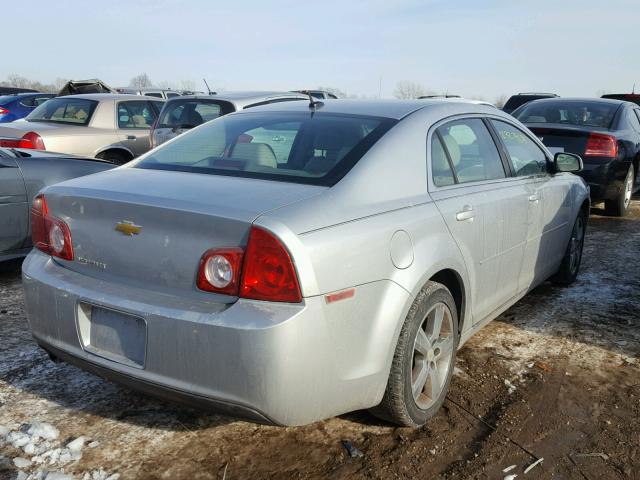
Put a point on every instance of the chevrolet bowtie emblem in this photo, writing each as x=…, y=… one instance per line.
x=128, y=228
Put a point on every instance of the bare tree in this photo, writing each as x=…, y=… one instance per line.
x=407, y=89
x=336, y=91
x=500, y=101
x=188, y=85
x=141, y=81
x=18, y=81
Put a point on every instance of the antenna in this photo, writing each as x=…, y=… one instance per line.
x=207, y=85
x=634, y=88
x=313, y=103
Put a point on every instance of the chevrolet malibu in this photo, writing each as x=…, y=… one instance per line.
x=293, y=281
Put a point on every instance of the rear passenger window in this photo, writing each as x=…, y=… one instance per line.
x=135, y=114
x=527, y=158
x=440, y=168
x=633, y=118
x=471, y=150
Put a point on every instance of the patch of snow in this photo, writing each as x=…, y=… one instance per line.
x=22, y=462
x=43, y=430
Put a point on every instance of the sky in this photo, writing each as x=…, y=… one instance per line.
x=473, y=48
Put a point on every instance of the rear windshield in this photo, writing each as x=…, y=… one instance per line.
x=74, y=111
x=7, y=98
x=311, y=148
x=592, y=114
x=516, y=100
x=191, y=113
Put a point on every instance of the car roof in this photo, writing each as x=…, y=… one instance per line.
x=254, y=95
x=395, y=109
x=109, y=96
x=604, y=101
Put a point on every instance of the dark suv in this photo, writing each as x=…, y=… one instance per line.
x=627, y=97
x=521, y=98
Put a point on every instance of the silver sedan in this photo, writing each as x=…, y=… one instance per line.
x=301, y=260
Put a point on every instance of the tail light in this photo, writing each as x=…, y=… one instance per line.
x=220, y=270
x=264, y=271
x=3, y=111
x=268, y=272
x=601, y=145
x=48, y=233
x=29, y=140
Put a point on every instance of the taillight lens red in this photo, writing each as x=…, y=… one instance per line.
x=3, y=111
x=29, y=140
x=39, y=212
x=268, y=272
x=264, y=271
x=220, y=270
x=48, y=233
x=601, y=145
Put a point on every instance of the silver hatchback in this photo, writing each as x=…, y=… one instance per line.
x=298, y=261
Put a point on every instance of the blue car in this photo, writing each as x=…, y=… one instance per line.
x=14, y=107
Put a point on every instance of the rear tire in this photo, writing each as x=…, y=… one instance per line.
x=423, y=361
x=113, y=156
x=570, y=265
x=619, y=206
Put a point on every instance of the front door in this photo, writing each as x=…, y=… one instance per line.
x=135, y=118
x=549, y=204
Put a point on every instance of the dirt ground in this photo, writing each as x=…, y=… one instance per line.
x=558, y=375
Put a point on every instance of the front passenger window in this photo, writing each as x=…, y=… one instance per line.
x=527, y=158
x=472, y=151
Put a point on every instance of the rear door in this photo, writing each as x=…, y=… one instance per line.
x=14, y=208
x=135, y=118
x=484, y=208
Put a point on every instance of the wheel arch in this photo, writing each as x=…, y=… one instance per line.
x=451, y=279
x=115, y=148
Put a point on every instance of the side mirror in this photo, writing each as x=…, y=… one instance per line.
x=567, y=162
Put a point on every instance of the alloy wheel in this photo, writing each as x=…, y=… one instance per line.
x=577, y=238
x=628, y=189
x=432, y=355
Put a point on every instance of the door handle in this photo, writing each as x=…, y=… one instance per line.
x=534, y=198
x=131, y=137
x=467, y=213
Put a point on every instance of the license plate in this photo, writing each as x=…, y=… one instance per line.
x=112, y=334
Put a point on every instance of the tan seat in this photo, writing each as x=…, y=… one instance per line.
x=139, y=121
x=256, y=155
x=453, y=149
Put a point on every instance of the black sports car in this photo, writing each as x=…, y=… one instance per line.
x=605, y=132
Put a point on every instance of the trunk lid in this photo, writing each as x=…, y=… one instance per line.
x=166, y=221
x=564, y=138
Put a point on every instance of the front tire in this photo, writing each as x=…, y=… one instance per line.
x=619, y=206
x=570, y=265
x=424, y=359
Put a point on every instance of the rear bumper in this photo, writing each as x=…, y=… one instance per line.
x=605, y=178
x=288, y=364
